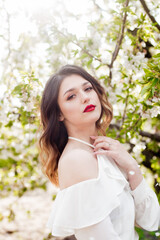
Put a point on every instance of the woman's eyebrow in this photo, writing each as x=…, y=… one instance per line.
x=71, y=89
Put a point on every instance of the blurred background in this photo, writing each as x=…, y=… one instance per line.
x=118, y=42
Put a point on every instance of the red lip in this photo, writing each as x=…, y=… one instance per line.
x=89, y=108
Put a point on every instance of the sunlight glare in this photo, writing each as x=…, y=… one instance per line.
x=29, y=5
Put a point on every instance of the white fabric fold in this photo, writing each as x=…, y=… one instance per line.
x=88, y=202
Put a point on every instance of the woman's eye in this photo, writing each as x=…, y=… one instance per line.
x=70, y=97
x=89, y=88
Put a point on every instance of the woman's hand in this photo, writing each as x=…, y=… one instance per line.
x=113, y=148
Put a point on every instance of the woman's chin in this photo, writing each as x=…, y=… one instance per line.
x=92, y=119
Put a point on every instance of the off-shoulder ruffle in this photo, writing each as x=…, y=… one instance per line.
x=88, y=202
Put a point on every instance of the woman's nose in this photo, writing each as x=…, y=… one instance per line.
x=84, y=97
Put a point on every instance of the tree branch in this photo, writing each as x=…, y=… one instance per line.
x=153, y=136
x=119, y=41
x=149, y=14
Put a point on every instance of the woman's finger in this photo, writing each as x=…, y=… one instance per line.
x=102, y=152
x=98, y=139
x=103, y=145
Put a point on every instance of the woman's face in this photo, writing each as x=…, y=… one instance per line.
x=78, y=101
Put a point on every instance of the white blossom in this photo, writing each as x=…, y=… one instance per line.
x=25, y=96
x=155, y=99
x=11, y=174
x=155, y=111
x=19, y=147
x=157, y=234
x=148, y=102
x=139, y=146
x=129, y=134
x=138, y=75
x=145, y=115
x=136, y=91
x=133, y=140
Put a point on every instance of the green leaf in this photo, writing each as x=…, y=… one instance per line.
x=8, y=163
x=75, y=52
x=9, y=124
x=157, y=55
x=147, y=71
x=119, y=96
x=84, y=55
x=154, y=82
x=89, y=62
x=145, y=89
x=18, y=89
x=53, y=197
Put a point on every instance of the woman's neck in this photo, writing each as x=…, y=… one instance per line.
x=84, y=134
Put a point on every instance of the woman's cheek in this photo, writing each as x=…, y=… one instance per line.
x=70, y=108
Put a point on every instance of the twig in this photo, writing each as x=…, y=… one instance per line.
x=130, y=128
x=149, y=14
x=87, y=52
x=119, y=41
x=126, y=104
x=84, y=50
x=94, y=2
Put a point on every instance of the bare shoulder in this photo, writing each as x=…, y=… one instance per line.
x=77, y=166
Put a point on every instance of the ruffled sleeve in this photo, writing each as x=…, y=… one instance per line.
x=88, y=202
x=146, y=206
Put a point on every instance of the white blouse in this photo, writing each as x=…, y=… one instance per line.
x=104, y=207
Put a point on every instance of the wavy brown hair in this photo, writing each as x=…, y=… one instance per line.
x=54, y=135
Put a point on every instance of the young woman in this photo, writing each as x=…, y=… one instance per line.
x=102, y=194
